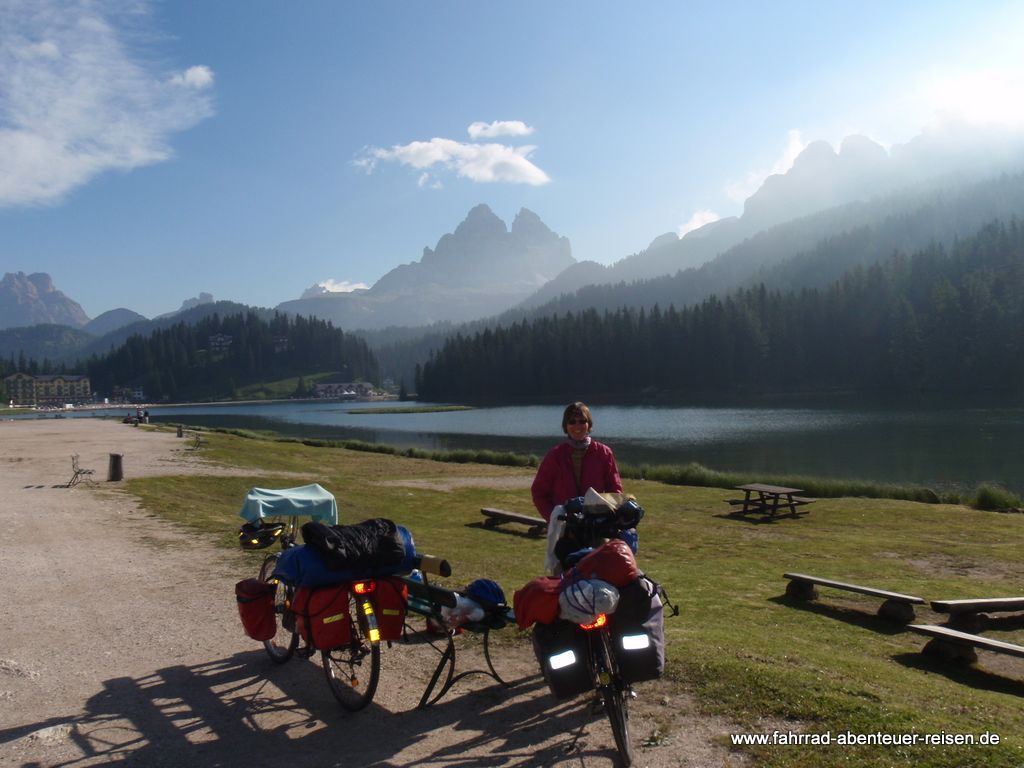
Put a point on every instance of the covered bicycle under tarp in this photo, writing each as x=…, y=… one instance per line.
x=313, y=500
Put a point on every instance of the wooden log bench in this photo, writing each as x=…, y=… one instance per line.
x=972, y=615
x=953, y=645
x=496, y=517
x=77, y=472
x=896, y=606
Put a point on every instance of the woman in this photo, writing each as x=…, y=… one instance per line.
x=575, y=465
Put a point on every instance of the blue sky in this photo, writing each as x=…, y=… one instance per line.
x=247, y=148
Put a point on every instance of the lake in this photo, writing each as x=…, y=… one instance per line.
x=938, y=447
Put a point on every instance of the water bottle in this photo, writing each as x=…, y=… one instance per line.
x=417, y=603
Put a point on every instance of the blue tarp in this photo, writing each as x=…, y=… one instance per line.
x=302, y=566
x=312, y=500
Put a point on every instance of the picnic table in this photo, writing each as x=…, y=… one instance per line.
x=768, y=499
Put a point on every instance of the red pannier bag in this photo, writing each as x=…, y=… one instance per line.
x=255, y=600
x=537, y=602
x=322, y=616
x=613, y=562
x=390, y=596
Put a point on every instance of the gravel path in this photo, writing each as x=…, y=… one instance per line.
x=121, y=644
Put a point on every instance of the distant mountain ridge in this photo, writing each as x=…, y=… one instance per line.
x=32, y=299
x=480, y=269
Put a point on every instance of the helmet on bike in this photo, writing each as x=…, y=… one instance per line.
x=629, y=514
x=486, y=592
x=259, y=535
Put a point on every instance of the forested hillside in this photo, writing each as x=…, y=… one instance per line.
x=944, y=320
x=180, y=362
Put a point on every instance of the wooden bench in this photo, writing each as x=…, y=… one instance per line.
x=970, y=615
x=495, y=517
x=897, y=606
x=954, y=645
x=768, y=500
x=77, y=472
x=197, y=441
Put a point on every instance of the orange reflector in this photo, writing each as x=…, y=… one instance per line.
x=364, y=587
x=600, y=621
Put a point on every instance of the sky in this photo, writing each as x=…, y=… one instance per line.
x=151, y=151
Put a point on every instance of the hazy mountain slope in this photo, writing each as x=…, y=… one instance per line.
x=112, y=320
x=480, y=269
x=27, y=300
x=43, y=342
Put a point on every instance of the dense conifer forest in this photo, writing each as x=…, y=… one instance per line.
x=182, y=362
x=189, y=362
x=944, y=321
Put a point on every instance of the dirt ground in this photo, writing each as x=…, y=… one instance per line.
x=121, y=644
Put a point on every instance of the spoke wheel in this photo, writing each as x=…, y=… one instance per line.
x=282, y=645
x=616, y=705
x=353, y=670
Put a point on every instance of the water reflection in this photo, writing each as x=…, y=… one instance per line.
x=938, y=448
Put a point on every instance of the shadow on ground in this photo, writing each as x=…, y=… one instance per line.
x=243, y=710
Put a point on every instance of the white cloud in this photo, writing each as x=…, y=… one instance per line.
x=476, y=162
x=194, y=77
x=740, y=189
x=480, y=130
x=341, y=286
x=991, y=97
x=76, y=100
x=698, y=220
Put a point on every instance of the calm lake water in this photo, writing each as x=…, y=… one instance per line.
x=940, y=448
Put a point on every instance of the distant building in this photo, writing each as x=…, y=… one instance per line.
x=25, y=389
x=218, y=343
x=128, y=395
x=345, y=391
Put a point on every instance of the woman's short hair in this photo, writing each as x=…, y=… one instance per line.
x=576, y=409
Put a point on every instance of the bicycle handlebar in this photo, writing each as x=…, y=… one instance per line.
x=434, y=565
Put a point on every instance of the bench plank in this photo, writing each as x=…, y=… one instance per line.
x=496, y=517
x=981, y=605
x=946, y=634
x=883, y=593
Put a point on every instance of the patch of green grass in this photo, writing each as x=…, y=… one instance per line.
x=743, y=649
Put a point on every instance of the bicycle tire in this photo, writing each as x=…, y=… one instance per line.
x=281, y=646
x=340, y=664
x=615, y=696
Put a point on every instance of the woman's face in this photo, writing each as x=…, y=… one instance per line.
x=576, y=426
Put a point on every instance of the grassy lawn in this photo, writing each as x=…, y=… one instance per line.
x=739, y=646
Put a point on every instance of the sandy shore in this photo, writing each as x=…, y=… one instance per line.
x=121, y=643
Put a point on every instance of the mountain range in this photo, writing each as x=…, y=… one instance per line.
x=832, y=210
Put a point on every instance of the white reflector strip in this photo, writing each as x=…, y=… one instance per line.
x=635, y=642
x=563, y=659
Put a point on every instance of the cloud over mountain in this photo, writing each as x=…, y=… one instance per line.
x=480, y=162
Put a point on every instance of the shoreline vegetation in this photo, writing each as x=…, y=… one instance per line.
x=985, y=496
x=412, y=409
x=740, y=651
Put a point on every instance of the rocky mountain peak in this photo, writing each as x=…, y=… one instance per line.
x=33, y=299
x=481, y=221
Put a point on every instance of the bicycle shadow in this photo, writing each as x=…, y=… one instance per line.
x=242, y=710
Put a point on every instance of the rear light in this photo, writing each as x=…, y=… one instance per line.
x=364, y=587
x=562, y=660
x=635, y=642
x=599, y=622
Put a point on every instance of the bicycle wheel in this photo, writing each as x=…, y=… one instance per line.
x=353, y=670
x=615, y=696
x=282, y=645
